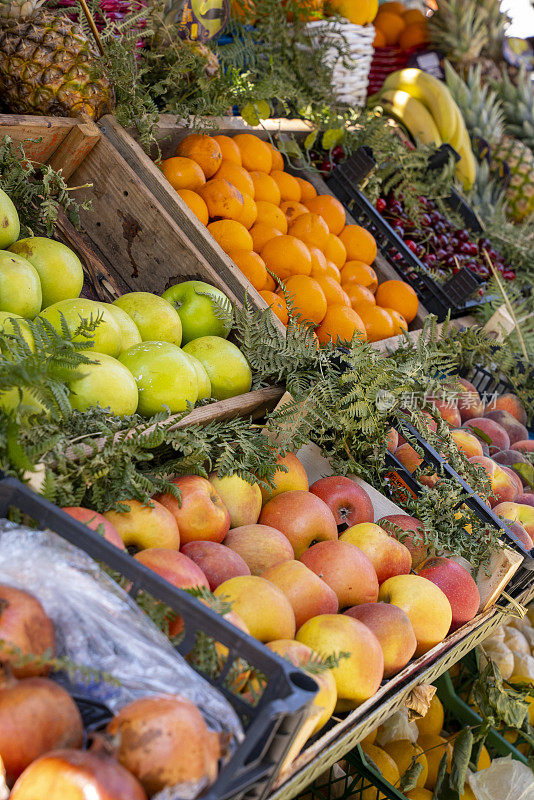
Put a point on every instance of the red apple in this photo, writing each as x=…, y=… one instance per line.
x=302, y=517
x=93, y=520
x=217, y=562
x=387, y=555
x=175, y=567
x=456, y=584
x=308, y=594
x=201, y=515
x=346, y=569
x=348, y=502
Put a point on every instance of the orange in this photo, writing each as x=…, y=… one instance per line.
x=413, y=35
x=183, y=173
x=277, y=304
x=249, y=213
x=237, y=176
x=311, y=229
x=271, y=215
x=230, y=235
x=255, y=154
x=293, y=209
x=288, y=185
x=394, y=7
x=335, y=250
x=278, y=159
x=332, y=271
x=285, y=256
x=330, y=209
x=400, y=296
x=252, y=266
x=398, y=321
x=307, y=189
x=391, y=25
x=340, y=323
x=359, y=244
x=318, y=262
x=202, y=149
x=358, y=272
x=333, y=292
x=270, y=284
x=359, y=294
x=413, y=15
x=265, y=188
x=261, y=233
x=380, y=39
x=223, y=200
x=308, y=298
x=378, y=323
x=196, y=204
x=229, y=149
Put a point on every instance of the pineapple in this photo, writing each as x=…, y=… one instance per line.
x=48, y=65
x=520, y=160
x=518, y=105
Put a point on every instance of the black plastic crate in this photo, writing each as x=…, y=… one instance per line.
x=270, y=726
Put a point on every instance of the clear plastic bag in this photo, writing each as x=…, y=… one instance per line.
x=504, y=779
x=98, y=625
x=397, y=727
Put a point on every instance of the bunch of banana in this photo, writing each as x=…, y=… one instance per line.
x=425, y=106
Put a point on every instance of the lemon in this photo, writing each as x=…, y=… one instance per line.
x=385, y=765
x=419, y=794
x=484, y=760
x=432, y=723
x=370, y=738
x=434, y=747
x=404, y=753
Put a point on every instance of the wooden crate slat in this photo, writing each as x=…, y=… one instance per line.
x=52, y=131
x=79, y=141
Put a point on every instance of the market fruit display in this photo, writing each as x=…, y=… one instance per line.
x=399, y=26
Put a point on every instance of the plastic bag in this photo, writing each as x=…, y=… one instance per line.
x=98, y=625
x=523, y=666
x=504, y=779
x=516, y=641
x=397, y=727
x=500, y=654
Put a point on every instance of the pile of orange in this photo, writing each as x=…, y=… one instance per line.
x=265, y=218
x=397, y=26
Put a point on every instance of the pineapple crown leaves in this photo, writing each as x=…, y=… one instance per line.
x=37, y=191
x=458, y=29
x=518, y=105
x=480, y=105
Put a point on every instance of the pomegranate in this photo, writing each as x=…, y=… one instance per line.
x=164, y=741
x=76, y=775
x=24, y=624
x=36, y=715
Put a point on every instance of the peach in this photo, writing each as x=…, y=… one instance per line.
x=503, y=488
x=525, y=499
x=260, y=546
x=201, y=514
x=392, y=440
x=523, y=513
x=387, y=555
x=308, y=594
x=491, y=432
x=302, y=517
x=289, y=476
x=525, y=446
x=145, y=526
x=262, y=606
x=521, y=534
x=448, y=412
x=514, y=477
x=217, y=562
x=469, y=403
x=425, y=604
x=412, y=460
x=359, y=675
x=456, y=584
x=346, y=569
x=175, y=567
x=393, y=629
x=515, y=430
x=510, y=458
x=348, y=502
x=242, y=499
x=411, y=534
x=510, y=403
x=468, y=444
x=97, y=522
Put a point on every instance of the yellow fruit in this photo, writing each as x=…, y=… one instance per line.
x=434, y=748
x=404, y=753
x=419, y=794
x=484, y=760
x=359, y=13
x=370, y=738
x=432, y=723
x=385, y=765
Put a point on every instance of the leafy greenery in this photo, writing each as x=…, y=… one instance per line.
x=37, y=190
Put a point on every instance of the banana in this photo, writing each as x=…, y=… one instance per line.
x=466, y=168
x=432, y=93
x=413, y=115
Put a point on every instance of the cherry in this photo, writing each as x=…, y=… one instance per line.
x=338, y=153
x=399, y=230
x=381, y=205
x=411, y=245
x=509, y=274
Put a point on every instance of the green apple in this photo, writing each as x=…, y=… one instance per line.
x=60, y=270
x=9, y=221
x=106, y=383
x=107, y=336
x=156, y=319
x=204, y=385
x=193, y=301
x=20, y=287
x=7, y=326
x=165, y=377
x=227, y=367
x=129, y=331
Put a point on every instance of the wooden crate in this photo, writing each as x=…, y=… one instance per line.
x=168, y=134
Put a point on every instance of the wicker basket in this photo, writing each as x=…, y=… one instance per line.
x=350, y=74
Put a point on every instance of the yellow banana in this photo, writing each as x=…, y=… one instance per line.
x=466, y=168
x=413, y=115
x=432, y=93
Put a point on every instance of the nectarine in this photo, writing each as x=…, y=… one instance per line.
x=490, y=432
x=393, y=629
x=260, y=546
x=201, y=514
x=456, y=584
x=308, y=594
